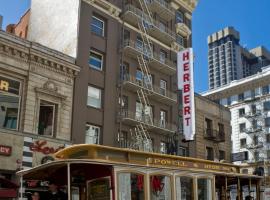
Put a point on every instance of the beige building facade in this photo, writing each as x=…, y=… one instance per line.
x=36, y=98
x=213, y=132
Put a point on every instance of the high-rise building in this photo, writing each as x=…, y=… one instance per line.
x=249, y=102
x=228, y=60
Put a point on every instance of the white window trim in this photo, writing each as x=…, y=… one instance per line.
x=103, y=23
x=102, y=60
x=98, y=136
x=100, y=96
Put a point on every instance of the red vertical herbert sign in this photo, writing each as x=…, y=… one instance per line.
x=186, y=84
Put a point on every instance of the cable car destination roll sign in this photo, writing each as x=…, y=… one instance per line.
x=185, y=83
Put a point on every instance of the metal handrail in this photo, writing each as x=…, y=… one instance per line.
x=145, y=119
x=156, y=89
x=148, y=20
x=144, y=50
x=214, y=134
x=162, y=3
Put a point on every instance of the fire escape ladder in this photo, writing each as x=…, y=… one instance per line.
x=146, y=76
x=146, y=10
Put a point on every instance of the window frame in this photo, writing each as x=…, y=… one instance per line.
x=19, y=96
x=101, y=61
x=97, y=137
x=55, y=116
x=240, y=129
x=103, y=25
x=100, y=95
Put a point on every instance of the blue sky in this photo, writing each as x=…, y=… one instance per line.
x=251, y=18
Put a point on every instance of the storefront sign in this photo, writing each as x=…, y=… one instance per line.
x=9, y=85
x=40, y=146
x=189, y=164
x=185, y=83
x=5, y=150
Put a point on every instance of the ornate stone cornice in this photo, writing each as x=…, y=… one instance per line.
x=187, y=4
x=33, y=53
x=182, y=29
x=106, y=7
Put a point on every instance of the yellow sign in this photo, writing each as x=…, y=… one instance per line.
x=188, y=164
x=4, y=85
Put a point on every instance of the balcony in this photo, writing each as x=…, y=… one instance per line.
x=252, y=146
x=253, y=114
x=161, y=7
x=130, y=118
x=156, y=93
x=214, y=135
x=252, y=130
x=182, y=29
x=134, y=15
x=132, y=49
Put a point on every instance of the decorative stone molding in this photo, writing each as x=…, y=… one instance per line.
x=50, y=85
x=23, y=51
x=188, y=16
x=106, y=7
x=176, y=47
x=182, y=29
x=50, y=89
x=188, y=4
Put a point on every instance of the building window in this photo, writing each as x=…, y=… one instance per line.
x=256, y=156
x=221, y=155
x=92, y=134
x=123, y=139
x=243, y=142
x=180, y=39
x=229, y=100
x=209, y=153
x=179, y=17
x=163, y=119
x=255, y=140
x=144, y=112
x=268, y=154
x=268, y=138
x=266, y=106
x=265, y=90
x=97, y=26
x=47, y=116
x=139, y=43
x=144, y=80
x=241, y=112
x=163, y=147
x=182, y=151
x=123, y=102
x=209, y=124
x=253, y=109
x=162, y=56
x=124, y=72
x=94, y=97
x=267, y=122
x=95, y=60
x=9, y=103
x=242, y=127
x=241, y=97
x=163, y=87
